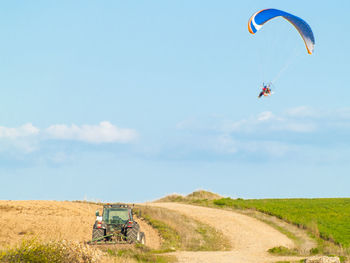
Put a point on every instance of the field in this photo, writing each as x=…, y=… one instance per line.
x=57, y=232
x=49, y=220
x=49, y=229
x=328, y=218
x=53, y=228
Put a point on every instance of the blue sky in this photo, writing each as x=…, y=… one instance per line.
x=155, y=97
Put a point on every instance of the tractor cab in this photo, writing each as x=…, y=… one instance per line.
x=116, y=214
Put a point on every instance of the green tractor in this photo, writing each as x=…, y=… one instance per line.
x=116, y=225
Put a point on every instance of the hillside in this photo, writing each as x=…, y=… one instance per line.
x=250, y=238
x=196, y=195
x=198, y=231
x=324, y=217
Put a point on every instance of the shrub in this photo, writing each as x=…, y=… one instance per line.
x=35, y=251
x=283, y=251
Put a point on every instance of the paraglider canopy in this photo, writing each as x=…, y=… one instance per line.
x=258, y=19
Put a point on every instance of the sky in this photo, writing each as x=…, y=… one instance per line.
x=133, y=100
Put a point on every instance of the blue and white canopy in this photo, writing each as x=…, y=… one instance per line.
x=258, y=19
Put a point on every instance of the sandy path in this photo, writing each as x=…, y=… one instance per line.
x=250, y=237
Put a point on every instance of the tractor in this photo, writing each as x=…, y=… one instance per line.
x=116, y=225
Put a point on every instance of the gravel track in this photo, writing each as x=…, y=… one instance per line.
x=250, y=238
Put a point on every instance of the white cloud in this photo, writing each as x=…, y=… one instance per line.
x=272, y=134
x=299, y=127
x=105, y=132
x=230, y=126
x=268, y=122
x=265, y=116
x=303, y=112
x=228, y=145
x=28, y=138
x=343, y=114
x=185, y=124
x=225, y=144
x=20, y=132
x=266, y=147
x=340, y=114
x=23, y=138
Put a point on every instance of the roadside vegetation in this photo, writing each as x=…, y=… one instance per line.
x=133, y=254
x=37, y=251
x=182, y=233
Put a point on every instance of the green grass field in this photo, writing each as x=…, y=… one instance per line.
x=328, y=218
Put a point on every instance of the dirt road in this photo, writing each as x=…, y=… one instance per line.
x=250, y=237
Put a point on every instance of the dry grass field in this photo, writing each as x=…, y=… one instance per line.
x=35, y=224
x=47, y=220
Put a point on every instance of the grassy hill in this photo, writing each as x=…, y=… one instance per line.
x=196, y=195
x=327, y=218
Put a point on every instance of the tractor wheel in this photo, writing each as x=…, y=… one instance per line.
x=131, y=234
x=97, y=234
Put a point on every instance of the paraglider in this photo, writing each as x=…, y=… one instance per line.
x=265, y=90
x=258, y=19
